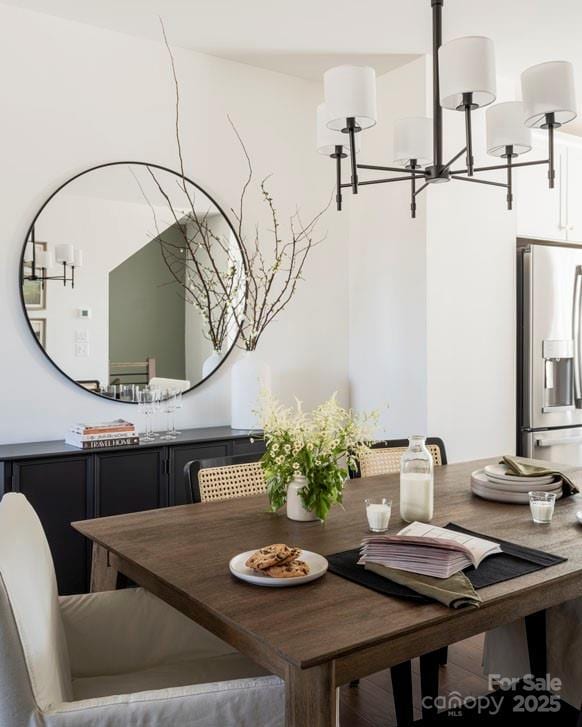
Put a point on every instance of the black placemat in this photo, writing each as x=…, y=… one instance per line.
x=514, y=561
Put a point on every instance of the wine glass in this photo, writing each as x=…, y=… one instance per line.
x=168, y=405
x=156, y=405
x=146, y=408
x=178, y=405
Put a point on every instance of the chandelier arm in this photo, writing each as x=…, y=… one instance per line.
x=502, y=166
x=454, y=159
x=550, y=121
x=381, y=181
x=421, y=188
x=338, y=174
x=374, y=167
x=413, y=190
x=351, y=126
x=437, y=116
x=469, y=135
x=509, y=151
x=479, y=181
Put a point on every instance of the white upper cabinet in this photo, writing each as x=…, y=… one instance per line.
x=554, y=214
x=574, y=194
x=541, y=211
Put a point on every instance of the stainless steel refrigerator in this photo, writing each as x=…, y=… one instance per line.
x=549, y=351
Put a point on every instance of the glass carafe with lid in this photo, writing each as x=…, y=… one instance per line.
x=416, y=482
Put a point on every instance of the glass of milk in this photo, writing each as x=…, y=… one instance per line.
x=416, y=482
x=378, y=513
x=542, y=506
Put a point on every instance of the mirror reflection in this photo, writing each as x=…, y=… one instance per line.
x=131, y=276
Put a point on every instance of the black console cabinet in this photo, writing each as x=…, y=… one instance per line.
x=65, y=484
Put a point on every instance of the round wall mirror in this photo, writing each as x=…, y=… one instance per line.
x=132, y=276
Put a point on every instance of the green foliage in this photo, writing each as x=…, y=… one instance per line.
x=323, y=446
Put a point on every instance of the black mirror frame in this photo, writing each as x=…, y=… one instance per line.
x=27, y=239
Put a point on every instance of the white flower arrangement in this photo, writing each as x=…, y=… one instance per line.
x=323, y=445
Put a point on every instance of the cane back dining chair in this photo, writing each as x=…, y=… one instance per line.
x=224, y=478
x=383, y=458
x=240, y=476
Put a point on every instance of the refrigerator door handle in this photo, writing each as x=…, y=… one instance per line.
x=560, y=441
x=576, y=336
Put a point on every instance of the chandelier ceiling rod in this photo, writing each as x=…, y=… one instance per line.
x=468, y=83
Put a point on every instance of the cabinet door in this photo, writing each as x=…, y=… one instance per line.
x=574, y=193
x=246, y=446
x=541, y=211
x=180, y=455
x=130, y=481
x=60, y=490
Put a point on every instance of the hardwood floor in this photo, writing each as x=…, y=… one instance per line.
x=371, y=704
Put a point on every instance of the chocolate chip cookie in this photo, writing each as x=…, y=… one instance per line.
x=270, y=555
x=292, y=569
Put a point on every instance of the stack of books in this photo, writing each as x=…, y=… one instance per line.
x=117, y=433
x=427, y=550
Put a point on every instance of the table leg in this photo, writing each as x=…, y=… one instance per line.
x=103, y=574
x=401, y=676
x=310, y=697
x=535, y=628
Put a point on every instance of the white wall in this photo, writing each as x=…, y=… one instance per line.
x=108, y=232
x=432, y=300
x=80, y=96
x=471, y=305
x=387, y=269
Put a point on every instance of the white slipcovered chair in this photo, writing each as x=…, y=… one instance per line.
x=506, y=654
x=113, y=659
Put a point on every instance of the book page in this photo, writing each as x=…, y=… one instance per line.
x=477, y=548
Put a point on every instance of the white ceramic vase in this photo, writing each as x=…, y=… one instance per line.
x=295, y=508
x=210, y=363
x=249, y=376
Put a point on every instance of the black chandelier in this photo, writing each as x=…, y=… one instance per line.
x=38, y=260
x=463, y=80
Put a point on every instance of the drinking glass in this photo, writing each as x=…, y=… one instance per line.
x=126, y=392
x=168, y=404
x=542, y=506
x=109, y=390
x=157, y=408
x=146, y=408
x=178, y=405
x=378, y=511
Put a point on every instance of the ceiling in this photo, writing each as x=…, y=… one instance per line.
x=304, y=37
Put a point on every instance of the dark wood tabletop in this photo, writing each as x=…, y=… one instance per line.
x=330, y=631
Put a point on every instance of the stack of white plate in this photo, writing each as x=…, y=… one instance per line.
x=497, y=482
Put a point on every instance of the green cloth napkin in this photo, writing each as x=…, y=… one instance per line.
x=527, y=468
x=454, y=592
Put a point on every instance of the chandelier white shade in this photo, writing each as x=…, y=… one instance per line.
x=78, y=258
x=65, y=254
x=467, y=65
x=548, y=88
x=350, y=92
x=45, y=259
x=505, y=128
x=463, y=80
x=413, y=140
x=328, y=139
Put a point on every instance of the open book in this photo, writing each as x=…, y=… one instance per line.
x=427, y=549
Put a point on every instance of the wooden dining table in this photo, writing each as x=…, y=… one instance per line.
x=331, y=631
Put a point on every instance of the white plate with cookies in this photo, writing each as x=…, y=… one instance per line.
x=278, y=566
